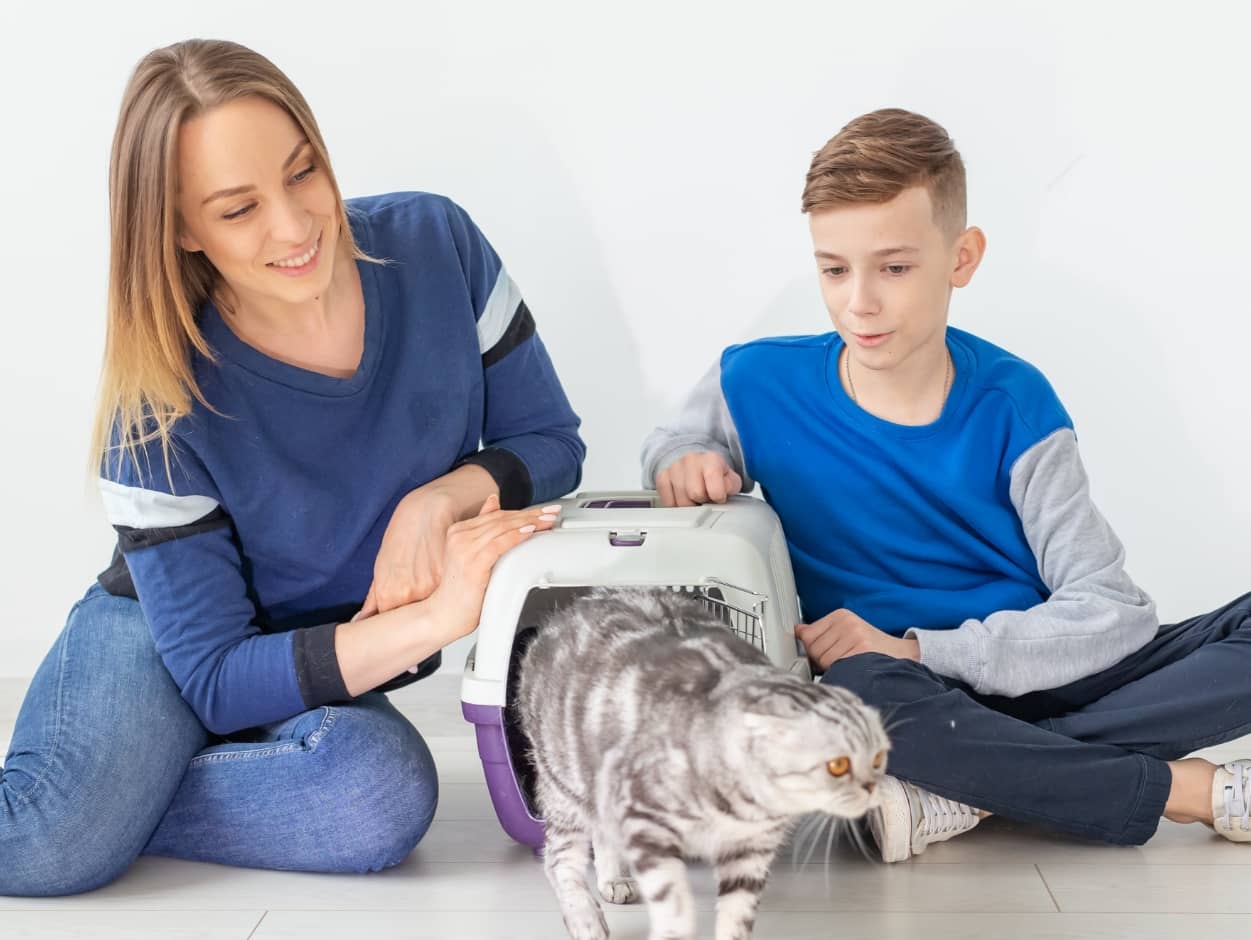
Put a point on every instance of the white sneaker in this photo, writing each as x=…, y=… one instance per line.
x=907, y=819
x=1231, y=801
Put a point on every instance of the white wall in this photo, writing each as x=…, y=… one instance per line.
x=639, y=166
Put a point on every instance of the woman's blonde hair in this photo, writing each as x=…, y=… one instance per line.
x=156, y=287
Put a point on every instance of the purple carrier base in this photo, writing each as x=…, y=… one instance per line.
x=510, y=804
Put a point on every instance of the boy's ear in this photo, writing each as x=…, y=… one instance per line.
x=970, y=247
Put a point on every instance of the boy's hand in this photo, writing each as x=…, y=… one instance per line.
x=841, y=633
x=696, y=479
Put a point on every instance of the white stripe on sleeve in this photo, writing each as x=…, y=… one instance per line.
x=498, y=313
x=137, y=508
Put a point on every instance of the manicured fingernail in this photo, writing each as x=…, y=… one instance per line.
x=527, y=528
x=552, y=508
x=547, y=518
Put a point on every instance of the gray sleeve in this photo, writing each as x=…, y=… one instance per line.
x=1095, y=615
x=702, y=424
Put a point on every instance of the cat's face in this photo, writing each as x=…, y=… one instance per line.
x=814, y=748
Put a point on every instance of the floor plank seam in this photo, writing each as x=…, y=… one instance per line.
x=257, y=926
x=1050, y=893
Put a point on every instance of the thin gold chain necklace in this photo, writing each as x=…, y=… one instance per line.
x=851, y=386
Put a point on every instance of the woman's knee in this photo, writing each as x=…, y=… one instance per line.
x=44, y=864
x=99, y=748
x=390, y=789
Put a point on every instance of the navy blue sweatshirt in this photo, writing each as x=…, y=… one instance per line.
x=262, y=536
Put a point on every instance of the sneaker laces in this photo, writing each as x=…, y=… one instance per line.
x=940, y=815
x=1238, y=795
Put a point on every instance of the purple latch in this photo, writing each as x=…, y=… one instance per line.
x=631, y=503
x=627, y=538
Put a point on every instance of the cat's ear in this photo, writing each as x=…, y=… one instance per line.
x=773, y=715
x=778, y=706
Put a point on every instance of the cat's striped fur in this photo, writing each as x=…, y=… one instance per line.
x=658, y=736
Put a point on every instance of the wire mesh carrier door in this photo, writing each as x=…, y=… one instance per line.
x=742, y=611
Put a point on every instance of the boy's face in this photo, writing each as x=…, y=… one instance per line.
x=886, y=273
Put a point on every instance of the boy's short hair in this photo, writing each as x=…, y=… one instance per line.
x=879, y=155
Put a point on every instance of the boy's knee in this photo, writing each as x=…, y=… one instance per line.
x=883, y=680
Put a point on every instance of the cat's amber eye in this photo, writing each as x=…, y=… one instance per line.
x=839, y=766
x=879, y=759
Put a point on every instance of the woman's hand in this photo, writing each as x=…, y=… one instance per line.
x=409, y=564
x=473, y=548
x=410, y=559
x=373, y=646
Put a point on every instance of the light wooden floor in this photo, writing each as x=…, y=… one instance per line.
x=467, y=881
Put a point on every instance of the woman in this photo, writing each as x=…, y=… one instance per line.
x=293, y=397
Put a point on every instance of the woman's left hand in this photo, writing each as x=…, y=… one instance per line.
x=410, y=559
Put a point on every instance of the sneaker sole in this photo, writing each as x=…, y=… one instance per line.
x=896, y=844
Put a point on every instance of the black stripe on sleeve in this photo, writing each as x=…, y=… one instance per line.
x=520, y=329
x=509, y=472
x=130, y=539
x=116, y=577
x=317, y=666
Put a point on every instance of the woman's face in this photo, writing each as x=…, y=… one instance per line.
x=253, y=198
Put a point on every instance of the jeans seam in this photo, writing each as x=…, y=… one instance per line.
x=327, y=722
x=1133, y=825
x=1224, y=737
x=27, y=796
x=261, y=751
x=255, y=753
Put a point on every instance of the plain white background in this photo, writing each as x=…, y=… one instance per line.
x=638, y=166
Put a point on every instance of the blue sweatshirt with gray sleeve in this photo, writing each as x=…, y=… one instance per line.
x=975, y=534
x=262, y=535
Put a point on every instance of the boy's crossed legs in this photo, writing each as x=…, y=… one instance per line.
x=1091, y=758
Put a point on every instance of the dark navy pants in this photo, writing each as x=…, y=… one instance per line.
x=1087, y=759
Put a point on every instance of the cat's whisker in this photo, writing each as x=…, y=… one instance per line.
x=856, y=832
x=831, y=831
x=889, y=721
x=797, y=838
x=898, y=724
x=816, y=837
x=806, y=829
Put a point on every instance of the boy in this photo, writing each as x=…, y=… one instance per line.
x=948, y=556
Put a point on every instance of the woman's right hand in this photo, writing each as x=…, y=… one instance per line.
x=473, y=547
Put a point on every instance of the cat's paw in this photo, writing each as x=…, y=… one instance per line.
x=620, y=890
x=586, y=923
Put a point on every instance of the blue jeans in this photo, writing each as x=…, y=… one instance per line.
x=108, y=763
x=1088, y=759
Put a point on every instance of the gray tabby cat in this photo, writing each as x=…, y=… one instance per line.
x=657, y=735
